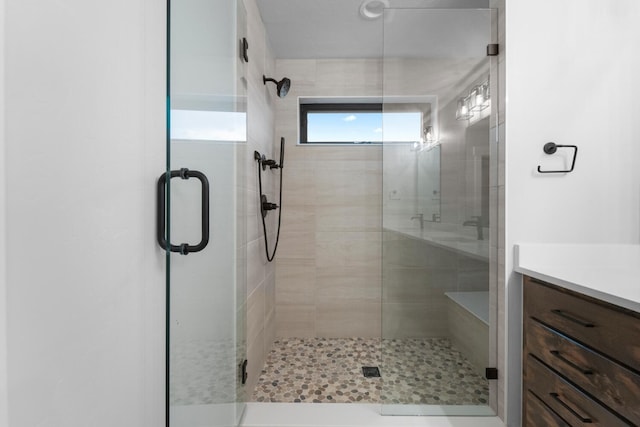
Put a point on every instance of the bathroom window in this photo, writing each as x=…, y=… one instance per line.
x=357, y=123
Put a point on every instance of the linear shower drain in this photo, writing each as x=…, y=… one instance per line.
x=370, y=371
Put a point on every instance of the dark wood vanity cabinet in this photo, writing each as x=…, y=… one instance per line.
x=581, y=360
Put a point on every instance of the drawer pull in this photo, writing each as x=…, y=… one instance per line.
x=584, y=419
x=573, y=319
x=585, y=371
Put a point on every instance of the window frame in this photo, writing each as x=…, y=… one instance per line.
x=428, y=105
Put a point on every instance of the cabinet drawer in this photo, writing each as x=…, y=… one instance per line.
x=614, y=385
x=537, y=414
x=606, y=328
x=566, y=400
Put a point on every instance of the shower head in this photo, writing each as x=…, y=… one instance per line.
x=282, y=85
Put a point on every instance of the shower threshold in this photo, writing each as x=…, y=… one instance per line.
x=360, y=415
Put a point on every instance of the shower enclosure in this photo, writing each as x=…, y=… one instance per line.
x=416, y=306
x=438, y=325
x=436, y=345
x=203, y=190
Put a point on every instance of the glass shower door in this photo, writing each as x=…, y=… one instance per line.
x=437, y=326
x=204, y=217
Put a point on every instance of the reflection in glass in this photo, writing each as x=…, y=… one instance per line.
x=479, y=98
x=428, y=187
x=435, y=269
x=463, y=112
x=208, y=125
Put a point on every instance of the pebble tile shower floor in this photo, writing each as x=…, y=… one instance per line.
x=414, y=371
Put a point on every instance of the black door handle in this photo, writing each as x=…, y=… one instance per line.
x=183, y=248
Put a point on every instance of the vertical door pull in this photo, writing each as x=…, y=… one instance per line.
x=184, y=248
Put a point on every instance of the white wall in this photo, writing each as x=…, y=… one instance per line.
x=84, y=144
x=572, y=78
x=4, y=421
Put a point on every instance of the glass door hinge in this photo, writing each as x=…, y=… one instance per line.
x=491, y=373
x=243, y=372
x=493, y=49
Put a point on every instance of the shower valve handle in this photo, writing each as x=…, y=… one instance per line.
x=266, y=206
x=269, y=206
x=264, y=162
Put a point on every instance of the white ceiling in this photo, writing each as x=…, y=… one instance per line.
x=303, y=29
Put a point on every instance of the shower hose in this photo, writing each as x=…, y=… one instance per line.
x=266, y=206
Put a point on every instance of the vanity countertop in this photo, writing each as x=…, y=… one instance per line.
x=607, y=272
x=464, y=245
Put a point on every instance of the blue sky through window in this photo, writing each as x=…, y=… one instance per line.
x=367, y=126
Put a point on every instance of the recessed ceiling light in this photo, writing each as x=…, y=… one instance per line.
x=373, y=9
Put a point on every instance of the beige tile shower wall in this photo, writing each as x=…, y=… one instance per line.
x=261, y=101
x=328, y=280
